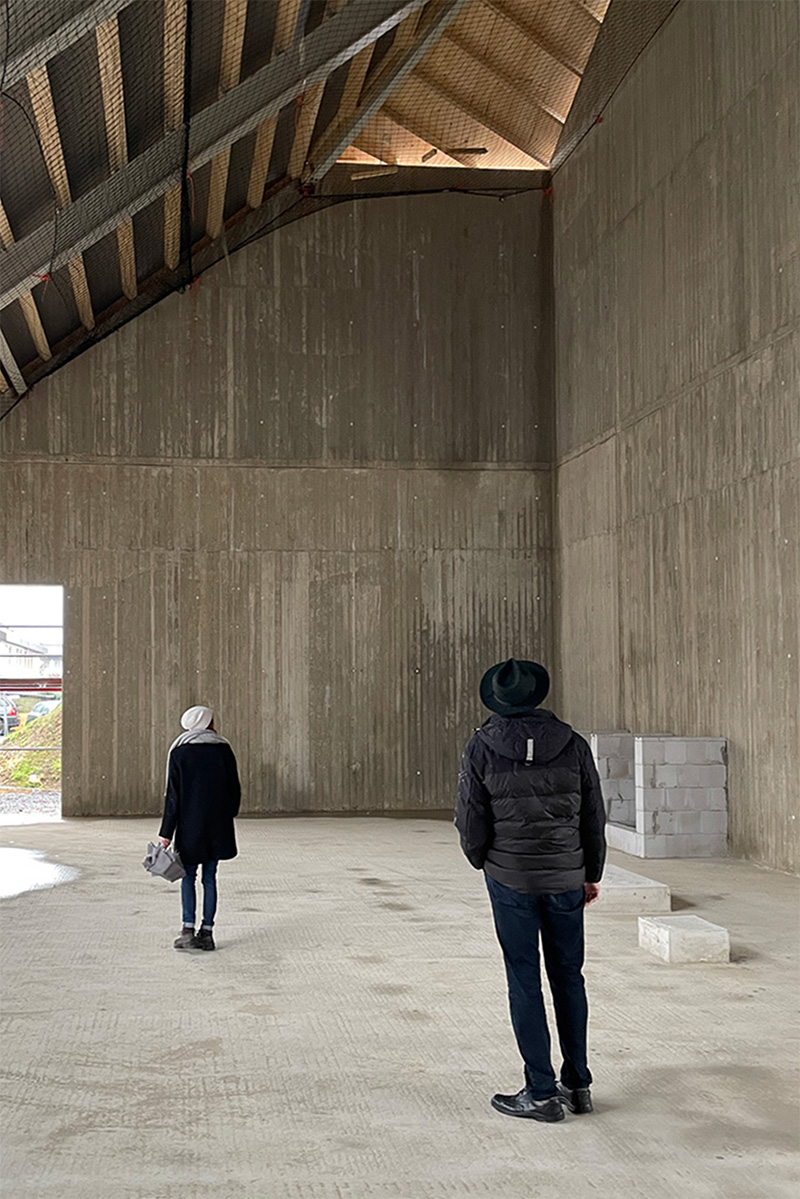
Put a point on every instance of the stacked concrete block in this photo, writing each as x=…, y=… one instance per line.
x=684, y=939
x=681, y=797
x=613, y=754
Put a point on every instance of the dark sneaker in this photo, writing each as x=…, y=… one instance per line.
x=547, y=1110
x=578, y=1101
x=204, y=939
x=185, y=940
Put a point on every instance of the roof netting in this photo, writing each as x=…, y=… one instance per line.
x=141, y=140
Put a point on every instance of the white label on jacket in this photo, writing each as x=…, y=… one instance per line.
x=530, y=750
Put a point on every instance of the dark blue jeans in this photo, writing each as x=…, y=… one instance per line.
x=520, y=919
x=209, y=894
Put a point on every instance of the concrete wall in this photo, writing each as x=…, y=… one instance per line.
x=314, y=493
x=677, y=278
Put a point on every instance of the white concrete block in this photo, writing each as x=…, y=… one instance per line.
x=658, y=846
x=708, y=750
x=624, y=892
x=642, y=774
x=715, y=799
x=675, y=751
x=619, y=768
x=621, y=837
x=626, y=789
x=677, y=939
x=699, y=776
x=712, y=822
x=699, y=845
x=649, y=750
x=650, y=799
x=667, y=776
x=671, y=822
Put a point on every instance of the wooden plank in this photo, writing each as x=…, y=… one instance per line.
x=553, y=51
x=174, y=48
x=26, y=300
x=11, y=367
x=234, y=21
x=497, y=102
x=386, y=141
x=508, y=53
x=153, y=172
x=304, y=129
x=55, y=38
x=285, y=27
x=111, y=86
x=44, y=114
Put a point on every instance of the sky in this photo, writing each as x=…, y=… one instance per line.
x=29, y=605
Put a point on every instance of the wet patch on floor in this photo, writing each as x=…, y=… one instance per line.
x=24, y=870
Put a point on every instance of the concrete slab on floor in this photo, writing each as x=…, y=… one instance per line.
x=626, y=893
x=344, y=1041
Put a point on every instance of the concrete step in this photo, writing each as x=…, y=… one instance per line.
x=677, y=939
x=626, y=893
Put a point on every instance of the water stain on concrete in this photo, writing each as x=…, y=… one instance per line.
x=24, y=870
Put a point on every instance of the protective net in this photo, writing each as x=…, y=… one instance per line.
x=142, y=140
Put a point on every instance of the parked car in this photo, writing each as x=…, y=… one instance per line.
x=42, y=708
x=9, y=716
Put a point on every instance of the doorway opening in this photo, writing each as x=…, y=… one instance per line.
x=31, y=674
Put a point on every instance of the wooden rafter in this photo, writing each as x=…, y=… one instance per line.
x=174, y=46
x=285, y=26
x=399, y=64
x=111, y=86
x=45, y=116
x=526, y=142
x=233, y=27
x=557, y=54
x=386, y=141
x=541, y=101
x=26, y=300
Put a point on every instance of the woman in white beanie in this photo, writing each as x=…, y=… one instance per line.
x=202, y=798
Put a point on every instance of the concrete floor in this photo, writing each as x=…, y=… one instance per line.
x=346, y=1037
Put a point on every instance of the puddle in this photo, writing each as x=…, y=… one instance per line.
x=28, y=870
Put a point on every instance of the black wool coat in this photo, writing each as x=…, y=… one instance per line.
x=530, y=811
x=203, y=797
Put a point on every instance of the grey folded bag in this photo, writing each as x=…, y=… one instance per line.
x=165, y=863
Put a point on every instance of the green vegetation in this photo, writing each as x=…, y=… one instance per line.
x=34, y=771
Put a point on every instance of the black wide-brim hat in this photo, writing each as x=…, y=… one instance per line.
x=515, y=687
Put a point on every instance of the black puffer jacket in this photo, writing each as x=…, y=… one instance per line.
x=530, y=811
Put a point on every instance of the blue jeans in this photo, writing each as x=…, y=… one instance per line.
x=520, y=919
x=209, y=894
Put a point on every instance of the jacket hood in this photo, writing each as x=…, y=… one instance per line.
x=539, y=737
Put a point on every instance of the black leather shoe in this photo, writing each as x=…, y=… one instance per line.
x=578, y=1101
x=548, y=1110
x=204, y=939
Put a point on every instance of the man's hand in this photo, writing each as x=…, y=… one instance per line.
x=165, y=841
x=592, y=892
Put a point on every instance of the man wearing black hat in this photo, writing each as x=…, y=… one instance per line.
x=530, y=814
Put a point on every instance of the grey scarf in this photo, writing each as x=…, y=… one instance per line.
x=194, y=737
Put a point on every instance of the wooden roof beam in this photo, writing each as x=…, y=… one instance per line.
x=543, y=43
x=27, y=302
x=399, y=64
x=50, y=140
x=285, y=30
x=152, y=173
x=540, y=154
x=453, y=36
x=111, y=86
x=234, y=21
x=46, y=36
x=174, y=51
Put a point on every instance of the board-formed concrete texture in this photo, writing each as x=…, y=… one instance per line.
x=314, y=494
x=345, y=1039
x=681, y=939
x=626, y=893
x=677, y=296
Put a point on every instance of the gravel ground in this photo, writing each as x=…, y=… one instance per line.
x=29, y=802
